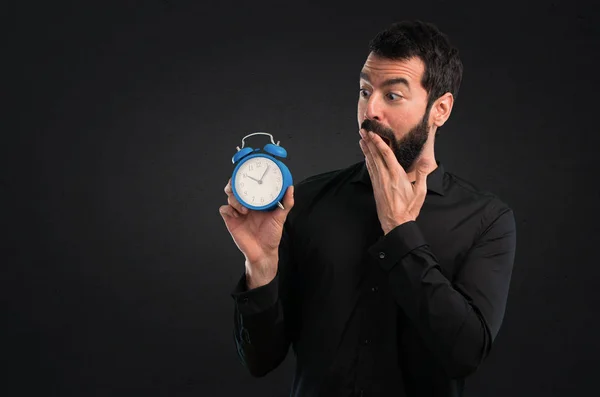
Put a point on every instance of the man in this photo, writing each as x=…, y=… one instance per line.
x=389, y=277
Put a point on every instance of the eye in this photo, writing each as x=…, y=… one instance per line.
x=393, y=96
x=364, y=93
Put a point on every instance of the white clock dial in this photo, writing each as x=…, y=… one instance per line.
x=258, y=181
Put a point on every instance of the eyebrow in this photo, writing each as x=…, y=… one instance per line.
x=396, y=80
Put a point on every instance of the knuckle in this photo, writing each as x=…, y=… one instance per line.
x=224, y=210
x=235, y=204
x=232, y=201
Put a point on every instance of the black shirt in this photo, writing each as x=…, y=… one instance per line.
x=410, y=313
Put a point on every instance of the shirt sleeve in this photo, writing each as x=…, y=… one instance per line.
x=264, y=316
x=458, y=321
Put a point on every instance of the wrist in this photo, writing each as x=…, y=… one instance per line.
x=254, y=281
x=388, y=228
x=259, y=274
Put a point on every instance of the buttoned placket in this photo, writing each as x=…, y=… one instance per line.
x=369, y=299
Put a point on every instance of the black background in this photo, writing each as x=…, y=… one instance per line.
x=120, y=120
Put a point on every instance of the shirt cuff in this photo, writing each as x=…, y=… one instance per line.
x=392, y=247
x=256, y=300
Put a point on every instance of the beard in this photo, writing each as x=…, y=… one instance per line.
x=409, y=147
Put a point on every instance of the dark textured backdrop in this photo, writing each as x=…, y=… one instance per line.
x=120, y=120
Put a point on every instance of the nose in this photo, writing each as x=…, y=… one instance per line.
x=374, y=109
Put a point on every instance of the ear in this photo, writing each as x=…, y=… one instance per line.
x=441, y=109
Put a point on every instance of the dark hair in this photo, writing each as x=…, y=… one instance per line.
x=407, y=39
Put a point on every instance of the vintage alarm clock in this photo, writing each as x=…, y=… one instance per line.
x=259, y=179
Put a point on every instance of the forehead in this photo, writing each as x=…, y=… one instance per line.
x=379, y=69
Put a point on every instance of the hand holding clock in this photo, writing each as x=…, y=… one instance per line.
x=257, y=234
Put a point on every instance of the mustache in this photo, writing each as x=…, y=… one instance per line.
x=371, y=125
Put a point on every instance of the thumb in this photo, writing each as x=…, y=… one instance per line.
x=287, y=201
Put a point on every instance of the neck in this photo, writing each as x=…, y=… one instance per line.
x=428, y=156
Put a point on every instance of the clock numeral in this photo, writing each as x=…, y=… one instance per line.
x=244, y=175
x=262, y=199
x=241, y=184
x=258, y=165
x=252, y=198
x=251, y=167
x=245, y=192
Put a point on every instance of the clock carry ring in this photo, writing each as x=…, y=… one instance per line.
x=257, y=133
x=271, y=148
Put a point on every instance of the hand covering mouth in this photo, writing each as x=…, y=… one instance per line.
x=386, y=140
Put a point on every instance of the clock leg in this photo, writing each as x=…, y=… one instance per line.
x=280, y=205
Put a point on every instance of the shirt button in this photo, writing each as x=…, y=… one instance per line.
x=366, y=341
x=374, y=289
x=381, y=255
x=245, y=299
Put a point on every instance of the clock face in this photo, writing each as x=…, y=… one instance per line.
x=258, y=181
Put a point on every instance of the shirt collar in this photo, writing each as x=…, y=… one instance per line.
x=435, y=179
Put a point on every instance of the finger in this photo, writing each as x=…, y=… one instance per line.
x=365, y=147
x=288, y=200
x=377, y=162
x=227, y=189
x=371, y=168
x=232, y=201
x=373, y=159
x=288, y=203
x=228, y=211
x=384, y=154
x=371, y=148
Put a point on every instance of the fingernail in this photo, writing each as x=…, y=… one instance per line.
x=362, y=134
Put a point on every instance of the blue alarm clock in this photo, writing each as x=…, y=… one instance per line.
x=259, y=179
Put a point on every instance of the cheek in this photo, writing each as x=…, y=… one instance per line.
x=361, y=108
x=400, y=122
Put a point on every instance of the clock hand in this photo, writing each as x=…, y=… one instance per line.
x=253, y=178
x=263, y=175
